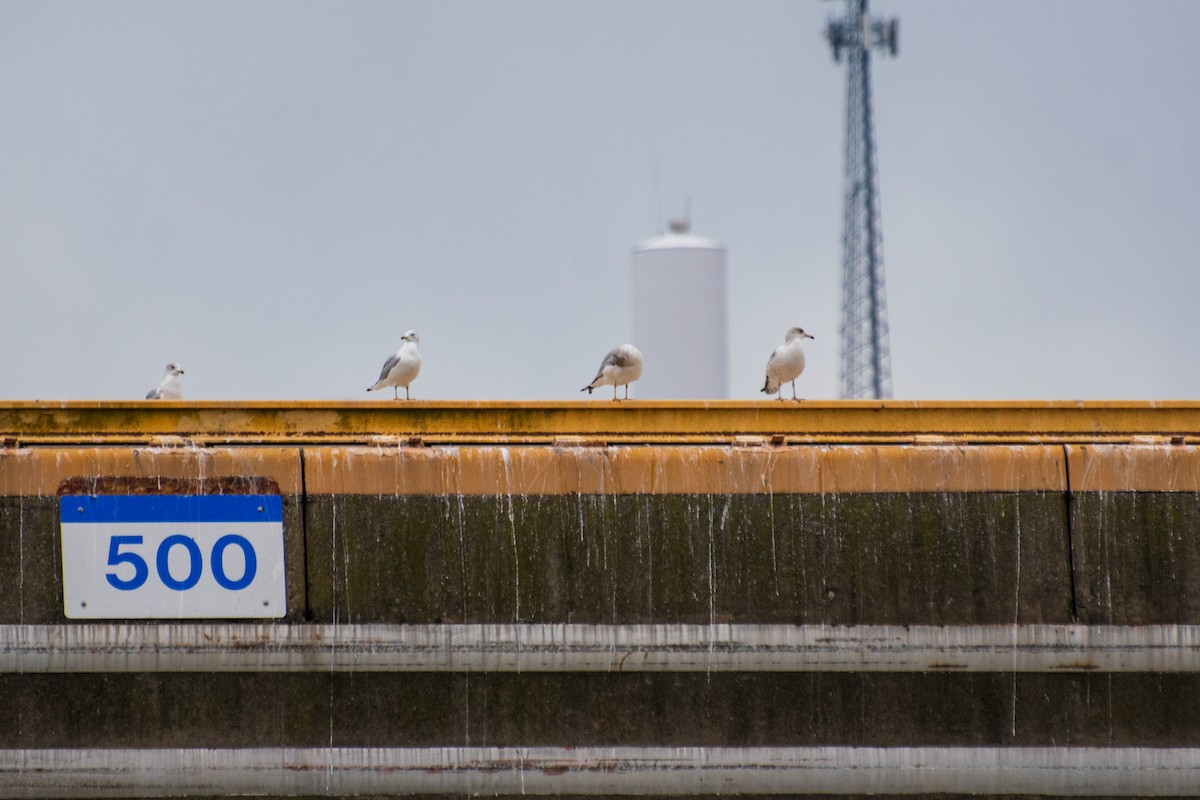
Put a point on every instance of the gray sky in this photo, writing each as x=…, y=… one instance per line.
x=271, y=193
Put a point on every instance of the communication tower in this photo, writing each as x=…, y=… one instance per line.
x=866, y=356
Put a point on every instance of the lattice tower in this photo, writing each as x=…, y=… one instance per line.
x=866, y=354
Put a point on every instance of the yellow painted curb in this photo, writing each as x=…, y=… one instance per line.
x=681, y=470
x=542, y=422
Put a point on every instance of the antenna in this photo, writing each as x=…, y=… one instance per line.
x=866, y=354
x=683, y=224
x=657, y=176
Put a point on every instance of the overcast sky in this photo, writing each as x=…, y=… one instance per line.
x=271, y=193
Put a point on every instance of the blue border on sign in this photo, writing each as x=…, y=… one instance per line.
x=171, y=508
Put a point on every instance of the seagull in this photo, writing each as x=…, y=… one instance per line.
x=786, y=363
x=402, y=368
x=621, y=366
x=169, y=388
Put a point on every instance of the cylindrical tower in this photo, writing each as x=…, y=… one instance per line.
x=679, y=316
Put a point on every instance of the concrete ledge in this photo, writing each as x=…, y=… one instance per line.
x=746, y=423
x=324, y=772
x=597, y=648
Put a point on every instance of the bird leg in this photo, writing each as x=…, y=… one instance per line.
x=408, y=395
x=396, y=392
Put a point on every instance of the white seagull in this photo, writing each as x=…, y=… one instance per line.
x=402, y=368
x=786, y=363
x=621, y=366
x=169, y=388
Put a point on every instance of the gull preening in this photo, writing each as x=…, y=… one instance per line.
x=621, y=366
x=402, y=368
x=786, y=363
x=169, y=388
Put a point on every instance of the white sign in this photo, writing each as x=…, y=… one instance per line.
x=172, y=556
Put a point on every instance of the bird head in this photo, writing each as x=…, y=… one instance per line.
x=797, y=333
x=410, y=336
x=174, y=369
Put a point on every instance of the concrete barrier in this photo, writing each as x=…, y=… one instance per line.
x=1000, y=590
x=702, y=534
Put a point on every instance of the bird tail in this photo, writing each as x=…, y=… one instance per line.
x=587, y=388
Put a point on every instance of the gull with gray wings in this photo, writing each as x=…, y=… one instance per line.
x=169, y=389
x=401, y=369
x=620, y=367
x=786, y=363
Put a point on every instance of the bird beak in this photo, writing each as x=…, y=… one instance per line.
x=810, y=336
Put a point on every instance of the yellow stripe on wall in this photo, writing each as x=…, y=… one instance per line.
x=682, y=470
x=649, y=469
x=1145, y=468
x=34, y=472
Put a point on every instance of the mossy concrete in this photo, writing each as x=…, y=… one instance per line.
x=985, y=558
x=592, y=709
x=1136, y=557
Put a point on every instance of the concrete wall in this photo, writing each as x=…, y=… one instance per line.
x=941, y=534
x=828, y=534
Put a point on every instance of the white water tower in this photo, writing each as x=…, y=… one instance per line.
x=679, y=316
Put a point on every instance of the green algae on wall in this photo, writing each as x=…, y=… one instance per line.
x=985, y=558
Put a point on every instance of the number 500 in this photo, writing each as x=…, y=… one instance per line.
x=141, y=570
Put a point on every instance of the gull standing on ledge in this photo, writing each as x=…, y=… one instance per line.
x=786, y=363
x=402, y=368
x=169, y=388
x=620, y=366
